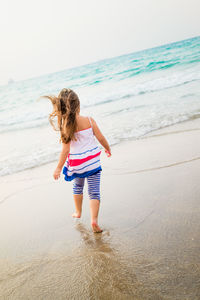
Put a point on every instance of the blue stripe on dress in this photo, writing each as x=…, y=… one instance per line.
x=83, y=152
x=85, y=174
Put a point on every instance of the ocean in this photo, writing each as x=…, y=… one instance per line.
x=128, y=96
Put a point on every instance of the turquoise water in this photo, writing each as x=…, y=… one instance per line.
x=129, y=96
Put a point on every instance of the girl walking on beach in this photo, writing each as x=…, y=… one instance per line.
x=80, y=153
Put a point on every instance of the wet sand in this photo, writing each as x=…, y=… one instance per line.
x=150, y=216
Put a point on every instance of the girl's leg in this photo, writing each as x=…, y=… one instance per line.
x=94, y=210
x=94, y=194
x=78, y=185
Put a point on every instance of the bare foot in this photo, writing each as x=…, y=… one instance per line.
x=76, y=215
x=95, y=227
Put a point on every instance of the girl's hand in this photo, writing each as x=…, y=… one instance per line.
x=108, y=153
x=56, y=173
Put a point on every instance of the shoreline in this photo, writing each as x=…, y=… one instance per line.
x=184, y=126
x=149, y=212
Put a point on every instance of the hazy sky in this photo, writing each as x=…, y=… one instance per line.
x=44, y=36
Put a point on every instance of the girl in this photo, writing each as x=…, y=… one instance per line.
x=80, y=153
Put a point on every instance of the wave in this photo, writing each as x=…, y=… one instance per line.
x=129, y=71
x=150, y=86
x=18, y=119
x=103, y=82
x=155, y=65
x=194, y=117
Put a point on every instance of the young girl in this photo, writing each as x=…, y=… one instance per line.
x=80, y=153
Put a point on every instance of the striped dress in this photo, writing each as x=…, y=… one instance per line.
x=84, y=157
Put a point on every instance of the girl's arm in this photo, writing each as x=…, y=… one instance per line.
x=102, y=140
x=63, y=156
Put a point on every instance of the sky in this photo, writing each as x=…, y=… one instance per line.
x=40, y=37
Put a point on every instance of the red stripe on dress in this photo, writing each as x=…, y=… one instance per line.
x=77, y=162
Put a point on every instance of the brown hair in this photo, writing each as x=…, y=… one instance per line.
x=65, y=107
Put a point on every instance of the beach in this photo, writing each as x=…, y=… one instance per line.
x=149, y=213
x=146, y=103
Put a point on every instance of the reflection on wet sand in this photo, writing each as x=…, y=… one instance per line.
x=95, y=270
x=109, y=274
x=103, y=266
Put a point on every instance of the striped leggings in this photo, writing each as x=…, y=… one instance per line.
x=93, y=186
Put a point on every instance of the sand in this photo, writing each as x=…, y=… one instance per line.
x=150, y=216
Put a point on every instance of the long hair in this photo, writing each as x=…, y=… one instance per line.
x=65, y=107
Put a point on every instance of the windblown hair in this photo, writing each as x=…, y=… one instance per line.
x=65, y=107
